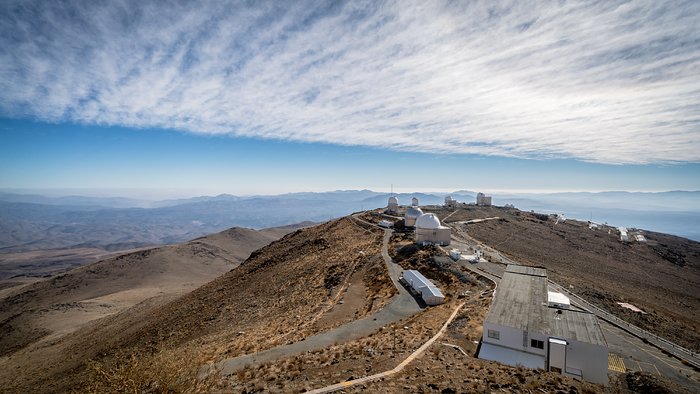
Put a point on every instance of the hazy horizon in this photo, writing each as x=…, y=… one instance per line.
x=672, y=212
x=203, y=98
x=156, y=195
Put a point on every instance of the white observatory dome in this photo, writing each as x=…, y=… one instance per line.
x=413, y=212
x=428, y=221
x=414, y=202
x=393, y=200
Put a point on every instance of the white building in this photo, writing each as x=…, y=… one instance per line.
x=623, y=234
x=449, y=202
x=482, y=199
x=393, y=205
x=386, y=224
x=414, y=201
x=430, y=231
x=525, y=326
x=412, y=214
x=422, y=285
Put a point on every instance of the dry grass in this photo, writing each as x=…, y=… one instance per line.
x=263, y=303
x=162, y=372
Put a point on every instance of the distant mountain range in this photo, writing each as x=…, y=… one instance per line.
x=35, y=222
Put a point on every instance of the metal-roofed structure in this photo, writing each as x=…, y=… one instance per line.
x=524, y=327
x=525, y=270
x=558, y=300
x=422, y=285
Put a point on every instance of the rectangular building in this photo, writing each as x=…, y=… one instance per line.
x=482, y=199
x=423, y=286
x=526, y=326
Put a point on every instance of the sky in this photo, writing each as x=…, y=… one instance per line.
x=190, y=98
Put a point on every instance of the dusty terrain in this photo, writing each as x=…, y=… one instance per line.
x=45, y=263
x=278, y=295
x=660, y=276
x=307, y=282
x=51, y=308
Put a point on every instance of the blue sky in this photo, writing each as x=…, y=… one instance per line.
x=198, y=98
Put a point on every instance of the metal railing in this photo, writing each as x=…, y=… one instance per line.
x=678, y=351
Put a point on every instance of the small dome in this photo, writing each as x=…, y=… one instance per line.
x=413, y=212
x=428, y=221
x=393, y=200
x=414, y=201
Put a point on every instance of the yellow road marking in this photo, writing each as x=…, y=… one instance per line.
x=677, y=365
x=616, y=363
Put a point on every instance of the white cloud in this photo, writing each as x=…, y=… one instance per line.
x=601, y=82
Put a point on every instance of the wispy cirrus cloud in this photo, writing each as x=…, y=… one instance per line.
x=597, y=81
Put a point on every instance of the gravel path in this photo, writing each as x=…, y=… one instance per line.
x=402, y=306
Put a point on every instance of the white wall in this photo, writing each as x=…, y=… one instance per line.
x=431, y=299
x=510, y=337
x=591, y=359
x=439, y=236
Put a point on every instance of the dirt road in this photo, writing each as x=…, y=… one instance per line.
x=402, y=306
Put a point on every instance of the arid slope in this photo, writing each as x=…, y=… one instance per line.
x=54, y=307
x=278, y=295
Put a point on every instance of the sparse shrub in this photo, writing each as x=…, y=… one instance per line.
x=162, y=372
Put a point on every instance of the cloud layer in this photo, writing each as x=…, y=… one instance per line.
x=601, y=81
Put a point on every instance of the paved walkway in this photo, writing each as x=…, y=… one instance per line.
x=402, y=306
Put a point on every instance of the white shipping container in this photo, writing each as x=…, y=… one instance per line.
x=428, y=291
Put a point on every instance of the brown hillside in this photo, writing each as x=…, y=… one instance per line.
x=278, y=295
x=54, y=307
x=303, y=284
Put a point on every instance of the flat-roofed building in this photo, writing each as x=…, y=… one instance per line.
x=528, y=326
x=482, y=199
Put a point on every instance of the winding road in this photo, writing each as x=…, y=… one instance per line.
x=402, y=306
x=622, y=337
